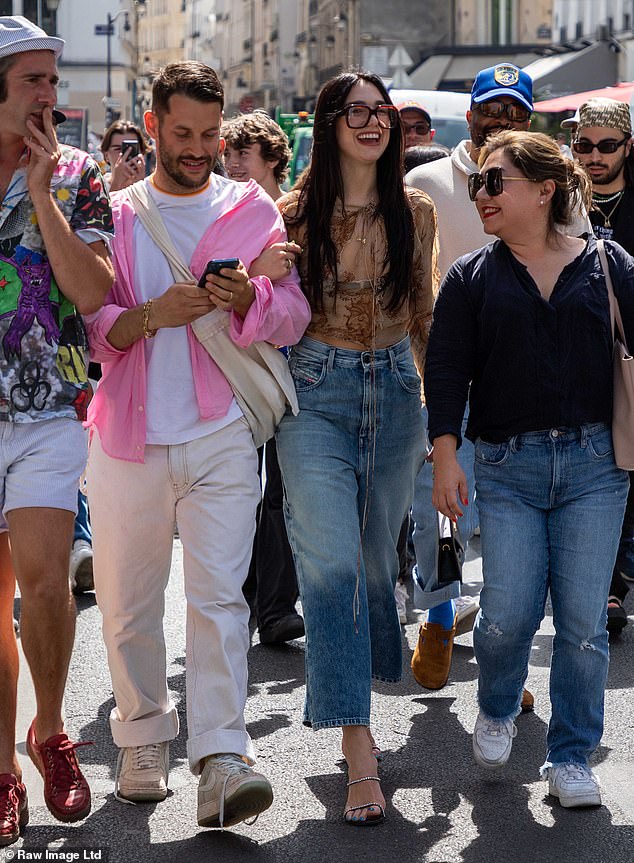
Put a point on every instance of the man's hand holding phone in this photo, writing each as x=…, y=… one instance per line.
x=182, y=303
x=228, y=284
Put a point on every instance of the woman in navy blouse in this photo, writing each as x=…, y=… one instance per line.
x=522, y=328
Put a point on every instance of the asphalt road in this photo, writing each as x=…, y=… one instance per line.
x=442, y=808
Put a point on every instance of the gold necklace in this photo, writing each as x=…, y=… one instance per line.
x=606, y=218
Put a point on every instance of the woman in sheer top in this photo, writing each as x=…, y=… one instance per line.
x=350, y=456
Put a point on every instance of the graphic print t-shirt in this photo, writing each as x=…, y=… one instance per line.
x=43, y=345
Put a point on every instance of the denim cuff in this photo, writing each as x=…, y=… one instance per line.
x=337, y=723
x=433, y=596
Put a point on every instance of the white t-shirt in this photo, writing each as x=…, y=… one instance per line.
x=172, y=415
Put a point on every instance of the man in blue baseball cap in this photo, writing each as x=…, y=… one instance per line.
x=501, y=98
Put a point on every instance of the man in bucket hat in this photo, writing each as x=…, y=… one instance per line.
x=55, y=222
x=603, y=145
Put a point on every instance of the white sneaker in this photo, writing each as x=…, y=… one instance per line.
x=492, y=741
x=467, y=608
x=142, y=772
x=574, y=785
x=80, y=569
x=401, y=597
x=230, y=791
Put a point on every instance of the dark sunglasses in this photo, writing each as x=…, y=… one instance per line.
x=417, y=128
x=493, y=182
x=358, y=116
x=586, y=147
x=516, y=113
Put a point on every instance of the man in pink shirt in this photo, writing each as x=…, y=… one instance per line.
x=171, y=445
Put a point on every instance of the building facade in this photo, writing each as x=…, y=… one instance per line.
x=279, y=52
x=84, y=68
x=503, y=22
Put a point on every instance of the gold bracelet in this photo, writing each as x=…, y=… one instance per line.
x=147, y=332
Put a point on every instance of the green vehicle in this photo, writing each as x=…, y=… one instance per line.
x=299, y=130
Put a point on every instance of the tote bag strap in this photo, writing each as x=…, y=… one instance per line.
x=615, y=312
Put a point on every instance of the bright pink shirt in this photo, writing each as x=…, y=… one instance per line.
x=279, y=314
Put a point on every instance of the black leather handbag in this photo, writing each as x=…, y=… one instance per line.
x=450, y=552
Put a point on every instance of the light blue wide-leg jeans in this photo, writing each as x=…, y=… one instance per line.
x=348, y=462
x=551, y=506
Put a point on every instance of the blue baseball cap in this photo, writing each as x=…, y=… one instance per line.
x=505, y=79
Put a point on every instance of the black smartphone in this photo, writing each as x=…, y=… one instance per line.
x=130, y=148
x=213, y=268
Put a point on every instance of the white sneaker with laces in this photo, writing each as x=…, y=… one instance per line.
x=467, y=608
x=492, y=741
x=80, y=568
x=142, y=772
x=401, y=597
x=230, y=791
x=574, y=785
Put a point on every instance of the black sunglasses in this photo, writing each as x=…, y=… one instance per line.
x=358, y=116
x=417, y=128
x=493, y=182
x=494, y=110
x=586, y=147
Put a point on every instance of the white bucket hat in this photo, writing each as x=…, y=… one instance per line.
x=18, y=34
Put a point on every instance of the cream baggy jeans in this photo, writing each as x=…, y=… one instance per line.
x=210, y=488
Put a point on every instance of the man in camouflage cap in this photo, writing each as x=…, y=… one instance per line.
x=603, y=144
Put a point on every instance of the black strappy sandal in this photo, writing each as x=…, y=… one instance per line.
x=617, y=615
x=373, y=819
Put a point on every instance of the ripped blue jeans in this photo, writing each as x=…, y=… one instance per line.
x=551, y=506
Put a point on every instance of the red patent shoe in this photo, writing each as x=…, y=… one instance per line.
x=14, y=808
x=66, y=792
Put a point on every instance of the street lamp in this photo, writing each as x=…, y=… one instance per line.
x=52, y=6
x=110, y=19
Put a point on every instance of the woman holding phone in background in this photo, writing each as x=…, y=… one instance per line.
x=126, y=162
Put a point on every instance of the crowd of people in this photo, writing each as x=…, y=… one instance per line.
x=483, y=272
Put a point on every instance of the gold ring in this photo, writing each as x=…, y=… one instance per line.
x=289, y=265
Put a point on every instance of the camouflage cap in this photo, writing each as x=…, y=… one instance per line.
x=605, y=112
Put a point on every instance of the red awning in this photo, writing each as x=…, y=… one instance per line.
x=620, y=92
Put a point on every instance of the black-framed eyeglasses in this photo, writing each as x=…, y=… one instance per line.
x=358, y=115
x=494, y=110
x=585, y=147
x=417, y=128
x=493, y=182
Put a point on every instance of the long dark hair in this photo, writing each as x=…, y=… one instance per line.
x=323, y=185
